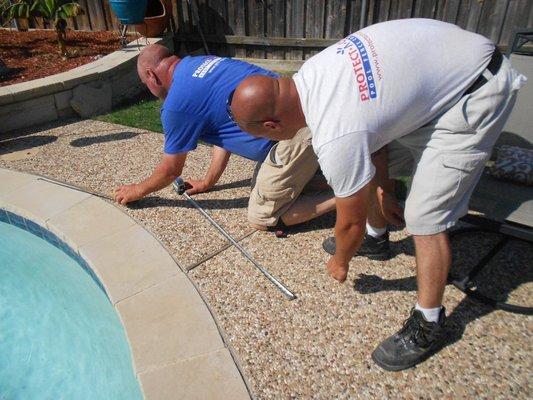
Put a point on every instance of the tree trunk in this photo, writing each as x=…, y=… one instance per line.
x=61, y=39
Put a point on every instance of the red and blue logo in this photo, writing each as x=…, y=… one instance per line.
x=356, y=51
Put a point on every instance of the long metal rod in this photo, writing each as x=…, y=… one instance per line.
x=286, y=292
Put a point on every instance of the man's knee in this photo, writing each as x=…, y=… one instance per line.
x=440, y=237
x=422, y=220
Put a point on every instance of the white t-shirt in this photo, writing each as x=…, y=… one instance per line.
x=379, y=84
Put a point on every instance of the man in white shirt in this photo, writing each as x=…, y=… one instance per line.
x=432, y=96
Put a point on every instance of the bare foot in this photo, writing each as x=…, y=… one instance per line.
x=336, y=270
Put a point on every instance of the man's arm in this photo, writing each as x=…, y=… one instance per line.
x=219, y=161
x=384, y=189
x=167, y=170
x=349, y=231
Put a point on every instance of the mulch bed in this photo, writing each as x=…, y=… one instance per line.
x=34, y=54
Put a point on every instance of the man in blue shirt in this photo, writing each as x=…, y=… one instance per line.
x=196, y=90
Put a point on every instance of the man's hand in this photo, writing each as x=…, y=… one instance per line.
x=337, y=270
x=128, y=193
x=349, y=231
x=390, y=208
x=164, y=174
x=196, y=186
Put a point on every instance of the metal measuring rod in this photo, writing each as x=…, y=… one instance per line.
x=179, y=187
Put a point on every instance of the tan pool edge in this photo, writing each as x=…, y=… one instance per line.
x=178, y=349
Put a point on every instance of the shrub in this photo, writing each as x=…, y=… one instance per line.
x=55, y=11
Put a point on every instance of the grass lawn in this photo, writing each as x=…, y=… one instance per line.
x=143, y=113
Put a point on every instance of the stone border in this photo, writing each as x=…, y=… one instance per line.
x=177, y=348
x=88, y=89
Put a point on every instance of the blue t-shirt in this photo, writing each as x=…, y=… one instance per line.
x=196, y=107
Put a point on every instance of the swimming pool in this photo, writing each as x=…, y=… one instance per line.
x=60, y=336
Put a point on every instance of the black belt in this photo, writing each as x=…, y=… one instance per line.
x=494, y=66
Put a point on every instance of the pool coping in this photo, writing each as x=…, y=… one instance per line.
x=150, y=291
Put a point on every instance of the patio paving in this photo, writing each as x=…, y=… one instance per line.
x=319, y=345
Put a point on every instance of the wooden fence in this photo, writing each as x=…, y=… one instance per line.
x=296, y=29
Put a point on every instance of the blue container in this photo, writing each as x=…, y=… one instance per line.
x=129, y=12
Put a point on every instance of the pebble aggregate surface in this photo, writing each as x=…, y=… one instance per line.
x=317, y=346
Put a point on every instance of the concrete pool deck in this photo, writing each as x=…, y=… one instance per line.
x=319, y=345
x=175, y=343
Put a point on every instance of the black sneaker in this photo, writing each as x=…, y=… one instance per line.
x=416, y=341
x=373, y=248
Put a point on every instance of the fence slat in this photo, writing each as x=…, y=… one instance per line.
x=425, y=9
x=314, y=23
x=237, y=24
x=39, y=23
x=451, y=10
x=462, y=14
x=110, y=18
x=256, y=25
x=382, y=10
x=314, y=18
x=517, y=17
x=492, y=17
x=83, y=21
x=352, y=18
x=474, y=14
x=96, y=15
x=393, y=10
x=405, y=8
x=275, y=26
x=296, y=25
x=183, y=16
x=336, y=18
x=217, y=21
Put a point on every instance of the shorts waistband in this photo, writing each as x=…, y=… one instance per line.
x=493, y=67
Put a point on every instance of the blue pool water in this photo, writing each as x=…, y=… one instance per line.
x=60, y=337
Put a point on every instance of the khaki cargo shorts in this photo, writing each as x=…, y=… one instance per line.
x=280, y=179
x=447, y=156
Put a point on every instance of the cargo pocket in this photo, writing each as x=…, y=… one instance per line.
x=460, y=174
x=276, y=197
x=266, y=206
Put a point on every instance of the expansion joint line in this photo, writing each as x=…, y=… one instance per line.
x=210, y=256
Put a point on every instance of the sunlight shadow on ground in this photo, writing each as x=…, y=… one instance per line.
x=90, y=140
x=215, y=204
x=24, y=143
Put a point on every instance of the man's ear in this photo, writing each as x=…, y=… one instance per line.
x=272, y=125
x=153, y=77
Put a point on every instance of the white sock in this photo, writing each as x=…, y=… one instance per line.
x=430, y=314
x=375, y=232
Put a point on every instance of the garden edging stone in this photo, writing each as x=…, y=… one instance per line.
x=50, y=98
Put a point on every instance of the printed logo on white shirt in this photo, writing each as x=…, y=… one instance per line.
x=353, y=47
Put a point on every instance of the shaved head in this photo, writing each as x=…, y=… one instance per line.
x=267, y=107
x=255, y=99
x=150, y=57
x=155, y=67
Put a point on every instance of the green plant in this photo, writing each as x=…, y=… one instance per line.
x=58, y=11
x=20, y=9
x=55, y=11
x=4, y=5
